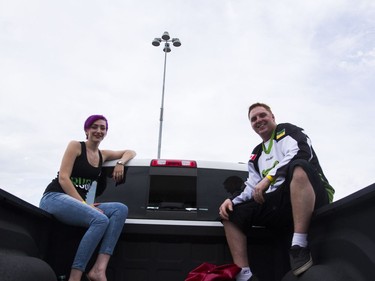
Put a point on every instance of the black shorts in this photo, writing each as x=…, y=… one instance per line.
x=276, y=211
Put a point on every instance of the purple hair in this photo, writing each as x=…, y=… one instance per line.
x=91, y=119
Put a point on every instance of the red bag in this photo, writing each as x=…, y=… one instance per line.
x=210, y=272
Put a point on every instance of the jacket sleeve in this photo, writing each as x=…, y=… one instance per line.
x=250, y=183
x=253, y=177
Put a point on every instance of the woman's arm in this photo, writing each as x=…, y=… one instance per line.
x=124, y=156
x=72, y=151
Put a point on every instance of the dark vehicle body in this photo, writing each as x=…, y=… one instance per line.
x=173, y=227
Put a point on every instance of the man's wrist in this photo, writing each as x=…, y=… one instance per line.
x=270, y=178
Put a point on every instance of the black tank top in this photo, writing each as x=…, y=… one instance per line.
x=83, y=174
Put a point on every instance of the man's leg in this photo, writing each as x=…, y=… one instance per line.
x=303, y=201
x=237, y=242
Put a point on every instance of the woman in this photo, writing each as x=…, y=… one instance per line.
x=65, y=198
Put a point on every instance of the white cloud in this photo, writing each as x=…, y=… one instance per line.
x=312, y=61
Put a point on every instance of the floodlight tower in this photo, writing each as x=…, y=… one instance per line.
x=166, y=39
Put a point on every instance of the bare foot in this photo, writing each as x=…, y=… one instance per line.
x=96, y=276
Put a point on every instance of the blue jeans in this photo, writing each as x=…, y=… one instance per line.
x=107, y=225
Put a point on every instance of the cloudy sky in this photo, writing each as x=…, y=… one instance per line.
x=312, y=61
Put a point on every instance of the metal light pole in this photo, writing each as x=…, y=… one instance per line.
x=156, y=42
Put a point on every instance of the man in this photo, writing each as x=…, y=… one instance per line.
x=285, y=185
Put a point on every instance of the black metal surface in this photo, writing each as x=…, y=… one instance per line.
x=342, y=240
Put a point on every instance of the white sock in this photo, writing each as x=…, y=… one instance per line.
x=244, y=274
x=299, y=239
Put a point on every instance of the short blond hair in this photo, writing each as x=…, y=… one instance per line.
x=254, y=105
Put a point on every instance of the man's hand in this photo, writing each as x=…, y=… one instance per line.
x=260, y=189
x=225, y=208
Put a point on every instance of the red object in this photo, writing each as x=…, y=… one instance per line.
x=173, y=163
x=252, y=157
x=210, y=272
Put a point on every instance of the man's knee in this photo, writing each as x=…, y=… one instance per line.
x=299, y=177
x=228, y=224
x=230, y=227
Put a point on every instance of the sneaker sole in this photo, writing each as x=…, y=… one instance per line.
x=303, y=268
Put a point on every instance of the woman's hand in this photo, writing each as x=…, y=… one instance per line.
x=95, y=207
x=118, y=172
x=122, y=155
